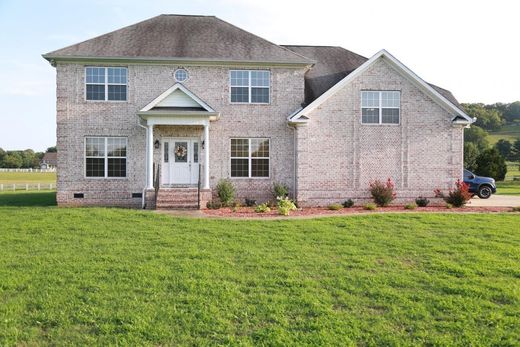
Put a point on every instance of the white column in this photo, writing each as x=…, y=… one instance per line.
x=206, y=157
x=149, y=157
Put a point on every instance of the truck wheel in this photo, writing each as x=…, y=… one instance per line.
x=484, y=192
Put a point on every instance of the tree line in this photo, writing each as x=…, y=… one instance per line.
x=25, y=159
x=479, y=156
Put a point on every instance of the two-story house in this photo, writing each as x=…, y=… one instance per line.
x=160, y=111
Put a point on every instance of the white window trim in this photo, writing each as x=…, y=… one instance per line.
x=380, y=92
x=249, y=89
x=106, y=83
x=250, y=158
x=106, y=157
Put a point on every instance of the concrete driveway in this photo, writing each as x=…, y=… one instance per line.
x=496, y=201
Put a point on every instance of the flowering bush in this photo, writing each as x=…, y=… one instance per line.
x=285, y=206
x=382, y=193
x=262, y=208
x=457, y=197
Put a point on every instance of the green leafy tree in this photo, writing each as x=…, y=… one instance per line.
x=504, y=147
x=51, y=150
x=487, y=118
x=512, y=112
x=490, y=163
x=478, y=136
x=13, y=160
x=515, y=151
x=471, y=153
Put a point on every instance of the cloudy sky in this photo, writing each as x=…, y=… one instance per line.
x=467, y=46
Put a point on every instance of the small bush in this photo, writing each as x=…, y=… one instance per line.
x=449, y=206
x=262, y=208
x=410, y=206
x=226, y=192
x=348, y=203
x=335, y=207
x=280, y=190
x=250, y=202
x=285, y=206
x=235, y=205
x=457, y=197
x=516, y=209
x=370, y=206
x=382, y=193
x=422, y=202
x=213, y=205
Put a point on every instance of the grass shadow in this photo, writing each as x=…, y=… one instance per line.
x=28, y=199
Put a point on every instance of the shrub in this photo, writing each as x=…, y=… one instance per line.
x=235, y=205
x=516, y=209
x=348, y=203
x=262, y=208
x=213, y=205
x=457, y=197
x=250, y=202
x=335, y=207
x=370, y=206
x=285, y=206
x=422, y=202
x=410, y=206
x=280, y=190
x=449, y=206
x=382, y=193
x=491, y=164
x=225, y=192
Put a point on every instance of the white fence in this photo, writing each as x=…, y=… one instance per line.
x=28, y=170
x=27, y=186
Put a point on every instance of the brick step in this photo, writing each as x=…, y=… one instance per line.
x=176, y=206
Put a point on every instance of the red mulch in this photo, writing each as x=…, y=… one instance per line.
x=248, y=212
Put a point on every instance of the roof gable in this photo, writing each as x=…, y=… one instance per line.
x=177, y=97
x=177, y=37
x=439, y=95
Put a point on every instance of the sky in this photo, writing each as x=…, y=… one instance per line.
x=469, y=47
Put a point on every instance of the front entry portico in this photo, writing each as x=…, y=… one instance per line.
x=184, y=160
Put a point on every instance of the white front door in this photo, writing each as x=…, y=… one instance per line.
x=180, y=161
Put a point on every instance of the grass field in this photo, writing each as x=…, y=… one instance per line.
x=507, y=132
x=508, y=188
x=27, y=177
x=123, y=277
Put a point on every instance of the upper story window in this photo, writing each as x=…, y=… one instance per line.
x=105, y=157
x=250, y=158
x=106, y=83
x=250, y=86
x=380, y=107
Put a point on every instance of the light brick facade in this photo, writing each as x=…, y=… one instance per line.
x=337, y=156
x=78, y=118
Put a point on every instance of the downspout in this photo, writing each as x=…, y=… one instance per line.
x=293, y=128
x=143, y=195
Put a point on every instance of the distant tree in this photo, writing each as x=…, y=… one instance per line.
x=504, y=147
x=490, y=163
x=487, y=118
x=13, y=160
x=515, y=151
x=51, y=150
x=2, y=155
x=512, y=112
x=471, y=153
x=28, y=157
x=478, y=136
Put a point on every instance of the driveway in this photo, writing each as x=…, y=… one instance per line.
x=496, y=201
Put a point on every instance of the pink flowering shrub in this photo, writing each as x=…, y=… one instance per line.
x=457, y=197
x=382, y=193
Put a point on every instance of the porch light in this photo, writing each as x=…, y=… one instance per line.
x=156, y=144
x=202, y=144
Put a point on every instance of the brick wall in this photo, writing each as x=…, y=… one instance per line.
x=338, y=156
x=77, y=118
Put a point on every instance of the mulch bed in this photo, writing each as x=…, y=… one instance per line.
x=248, y=212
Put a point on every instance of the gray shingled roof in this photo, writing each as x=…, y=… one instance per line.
x=181, y=36
x=332, y=65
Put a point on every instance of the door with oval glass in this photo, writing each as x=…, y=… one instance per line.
x=180, y=161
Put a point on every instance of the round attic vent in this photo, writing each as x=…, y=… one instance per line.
x=181, y=75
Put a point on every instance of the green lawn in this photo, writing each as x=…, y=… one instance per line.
x=97, y=276
x=508, y=188
x=27, y=177
x=507, y=132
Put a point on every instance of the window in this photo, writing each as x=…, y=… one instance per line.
x=106, y=83
x=250, y=157
x=181, y=75
x=105, y=156
x=380, y=107
x=250, y=86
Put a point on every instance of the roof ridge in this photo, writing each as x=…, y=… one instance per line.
x=184, y=15
x=270, y=42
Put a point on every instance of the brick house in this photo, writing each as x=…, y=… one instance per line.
x=158, y=112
